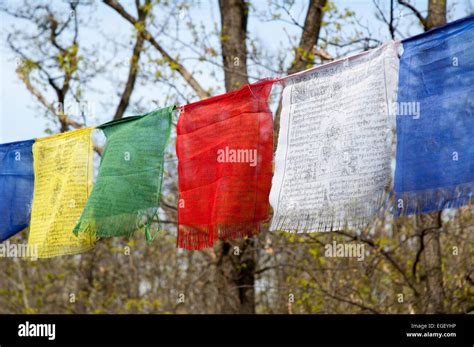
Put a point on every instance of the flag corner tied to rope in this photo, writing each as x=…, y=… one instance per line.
x=16, y=187
x=435, y=122
x=224, y=147
x=126, y=195
x=63, y=180
x=332, y=164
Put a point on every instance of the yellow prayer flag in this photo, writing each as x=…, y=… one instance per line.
x=63, y=182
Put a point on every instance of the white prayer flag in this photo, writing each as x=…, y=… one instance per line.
x=336, y=132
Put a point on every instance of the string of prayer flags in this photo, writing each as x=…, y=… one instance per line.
x=126, y=195
x=63, y=181
x=224, y=148
x=333, y=155
x=435, y=149
x=332, y=164
x=16, y=187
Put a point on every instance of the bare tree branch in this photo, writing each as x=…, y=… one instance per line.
x=188, y=77
x=415, y=12
x=134, y=60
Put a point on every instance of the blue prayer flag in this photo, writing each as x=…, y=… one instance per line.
x=435, y=120
x=16, y=187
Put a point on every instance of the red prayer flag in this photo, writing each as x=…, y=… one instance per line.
x=225, y=149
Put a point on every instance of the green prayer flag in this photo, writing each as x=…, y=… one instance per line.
x=126, y=195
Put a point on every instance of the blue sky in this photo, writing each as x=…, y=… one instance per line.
x=21, y=118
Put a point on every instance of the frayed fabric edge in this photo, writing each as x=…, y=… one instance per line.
x=314, y=222
x=204, y=236
x=432, y=200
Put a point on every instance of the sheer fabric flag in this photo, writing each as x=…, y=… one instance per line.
x=435, y=148
x=333, y=155
x=16, y=187
x=63, y=181
x=224, y=147
x=126, y=195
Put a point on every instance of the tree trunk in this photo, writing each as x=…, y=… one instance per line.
x=304, y=57
x=430, y=223
x=436, y=13
x=236, y=276
x=237, y=259
x=234, y=14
